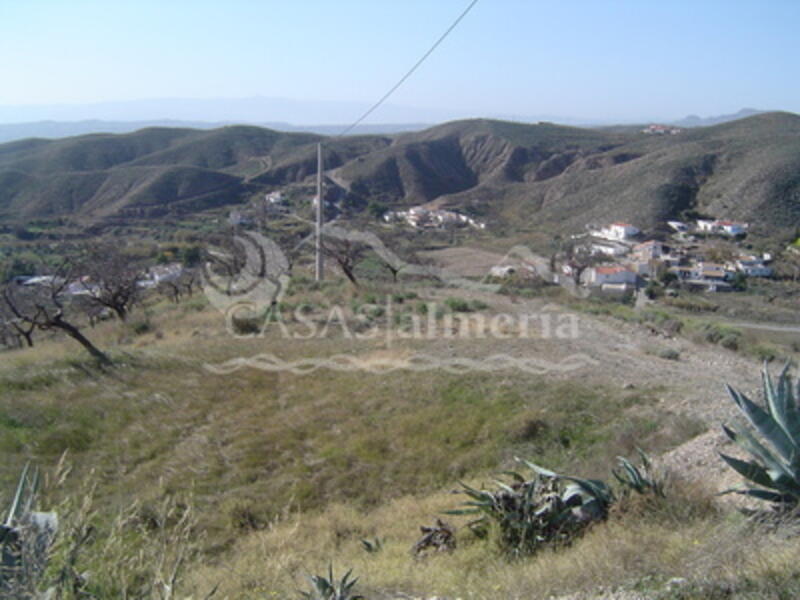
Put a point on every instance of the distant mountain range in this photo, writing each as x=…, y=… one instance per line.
x=283, y=114
x=60, y=129
x=695, y=121
x=512, y=175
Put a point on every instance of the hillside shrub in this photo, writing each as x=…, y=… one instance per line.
x=669, y=354
x=549, y=509
x=691, y=304
x=462, y=305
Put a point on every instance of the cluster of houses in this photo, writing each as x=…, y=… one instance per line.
x=632, y=259
x=425, y=218
x=661, y=130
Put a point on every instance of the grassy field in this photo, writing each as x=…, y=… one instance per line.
x=285, y=473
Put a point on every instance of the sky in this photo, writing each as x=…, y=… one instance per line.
x=593, y=60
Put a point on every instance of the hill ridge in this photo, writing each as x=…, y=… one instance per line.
x=545, y=175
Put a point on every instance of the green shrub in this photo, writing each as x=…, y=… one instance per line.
x=458, y=305
x=764, y=353
x=691, y=304
x=141, y=326
x=730, y=342
x=669, y=354
x=462, y=305
x=247, y=324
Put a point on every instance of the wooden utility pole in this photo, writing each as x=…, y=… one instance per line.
x=318, y=242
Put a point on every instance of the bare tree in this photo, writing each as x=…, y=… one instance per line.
x=182, y=283
x=396, y=254
x=42, y=306
x=189, y=280
x=579, y=257
x=111, y=279
x=347, y=253
x=13, y=330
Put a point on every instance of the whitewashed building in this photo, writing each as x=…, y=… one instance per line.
x=618, y=231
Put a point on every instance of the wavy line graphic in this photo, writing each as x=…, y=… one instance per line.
x=416, y=362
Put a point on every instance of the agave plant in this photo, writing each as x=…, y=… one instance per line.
x=25, y=538
x=775, y=466
x=546, y=509
x=639, y=480
x=372, y=546
x=327, y=588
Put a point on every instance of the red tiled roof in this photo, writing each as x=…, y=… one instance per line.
x=609, y=270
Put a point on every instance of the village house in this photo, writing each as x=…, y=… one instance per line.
x=731, y=228
x=752, y=266
x=274, y=198
x=649, y=250
x=713, y=271
x=161, y=274
x=610, y=275
x=608, y=248
x=684, y=272
x=618, y=231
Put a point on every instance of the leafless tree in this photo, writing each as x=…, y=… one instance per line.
x=43, y=306
x=396, y=254
x=184, y=283
x=111, y=279
x=13, y=331
x=579, y=257
x=787, y=266
x=347, y=253
x=189, y=280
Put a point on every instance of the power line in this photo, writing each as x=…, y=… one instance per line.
x=319, y=260
x=410, y=71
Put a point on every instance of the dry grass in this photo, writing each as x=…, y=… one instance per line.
x=686, y=537
x=289, y=472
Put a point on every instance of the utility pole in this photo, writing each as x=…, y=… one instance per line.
x=318, y=242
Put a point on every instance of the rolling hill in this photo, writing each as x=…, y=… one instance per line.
x=542, y=176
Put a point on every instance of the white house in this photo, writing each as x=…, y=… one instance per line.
x=732, y=227
x=608, y=248
x=274, y=198
x=618, y=231
x=161, y=274
x=649, y=250
x=615, y=274
x=753, y=267
x=714, y=271
x=726, y=227
x=707, y=225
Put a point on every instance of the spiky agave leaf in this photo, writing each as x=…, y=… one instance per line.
x=641, y=480
x=766, y=424
x=326, y=588
x=776, y=463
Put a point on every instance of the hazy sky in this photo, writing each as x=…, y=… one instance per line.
x=587, y=59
